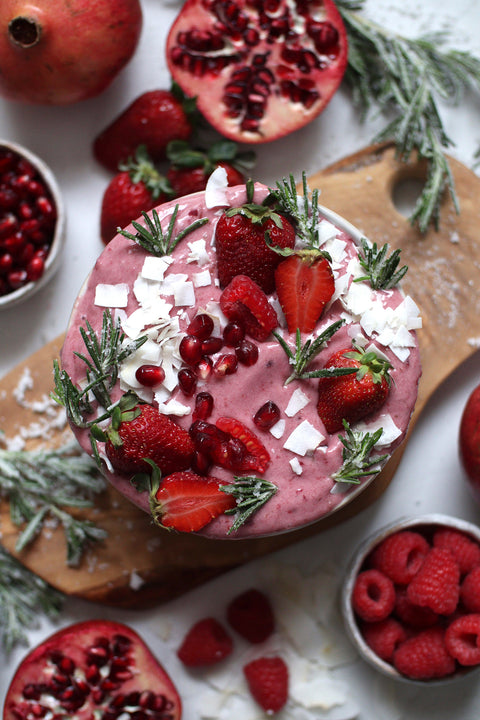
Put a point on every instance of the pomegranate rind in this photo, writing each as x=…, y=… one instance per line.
x=149, y=674
x=251, y=82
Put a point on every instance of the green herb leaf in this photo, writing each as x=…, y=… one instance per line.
x=303, y=209
x=357, y=451
x=23, y=598
x=381, y=268
x=251, y=493
x=151, y=236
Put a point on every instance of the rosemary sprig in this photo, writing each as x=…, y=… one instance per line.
x=251, y=493
x=380, y=267
x=357, y=460
x=304, y=354
x=152, y=238
x=405, y=76
x=104, y=355
x=303, y=209
x=23, y=596
x=41, y=484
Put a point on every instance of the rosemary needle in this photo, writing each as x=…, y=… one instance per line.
x=403, y=78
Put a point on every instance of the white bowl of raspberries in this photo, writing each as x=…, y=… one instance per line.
x=411, y=599
x=32, y=224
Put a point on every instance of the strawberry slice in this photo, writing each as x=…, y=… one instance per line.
x=187, y=502
x=245, y=302
x=304, y=283
x=257, y=459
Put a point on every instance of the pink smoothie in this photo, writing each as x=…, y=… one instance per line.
x=303, y=456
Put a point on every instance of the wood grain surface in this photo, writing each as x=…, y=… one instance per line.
x=139, y=565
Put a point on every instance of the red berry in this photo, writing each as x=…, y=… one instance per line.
x=206, y=643
x=384, y=637
x=437, y=583
x=470, y=591
x=201, y=326
x=150, y=375
x=462, y=639
x=35, y=269
x=463, y=547
x=245, y=302
x=267, y=416
x=424, y=656
x=400, y=555
x=373, y=596
x=250, y=614
x=413, y=615
x=267, y=679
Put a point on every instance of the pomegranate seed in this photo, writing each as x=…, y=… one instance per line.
x=150, y=375
x=247, y=353
x=17, y=278
x=6, y=263
x=267, y=416
x=201, y=463
x=8, y=225
x=203, y=369
x=212, y=345
x=190, y=349
x=201, y=326
x=203, y=406
x=226, y=365
x=187, y=381
x=35, y=269
x=233, y=334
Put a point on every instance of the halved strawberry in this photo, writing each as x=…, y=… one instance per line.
x=305, y=284
x=257, y=458
x=354, y=396
x=244, y=301
x=187, y=502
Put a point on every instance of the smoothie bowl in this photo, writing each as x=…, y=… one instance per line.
x=241, y=361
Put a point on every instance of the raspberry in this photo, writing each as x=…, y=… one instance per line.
x=437, y=583
x=462, y=639
x=373, y=596
x=463, y=548
x=470, y=591
x=267, y=679
x=251, y=615
x=206, y=643
x=384, y=637
x=413, y=615
x=245, y=302
x=400, y=555
x=424, y=656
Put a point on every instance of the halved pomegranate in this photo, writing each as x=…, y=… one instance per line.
x=259, y=69
x=92, y=669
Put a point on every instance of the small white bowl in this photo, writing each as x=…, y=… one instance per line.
x=52, y=261
x=356, y=563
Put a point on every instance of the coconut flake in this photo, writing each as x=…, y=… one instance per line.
x=278, y=429
x=390, y=431
x=296, y=466
x=304, y=439
x=111, y=295
x=198, y=252
x=202, y=279
x=184, y=294
x=298, y=400
x=215, y=195
x=174, y=407
x=154, y=268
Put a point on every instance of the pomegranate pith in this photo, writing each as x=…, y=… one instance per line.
x=258, y=70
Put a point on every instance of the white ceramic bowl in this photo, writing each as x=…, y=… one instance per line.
x=52, y=261
x=349, y=617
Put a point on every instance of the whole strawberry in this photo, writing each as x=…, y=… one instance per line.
x=190, y=168
x=267, y=679
x=139, y=187
x=304, y=282
x=353, y=396
x=153, y=119
x=241, y=239
x=144, y=433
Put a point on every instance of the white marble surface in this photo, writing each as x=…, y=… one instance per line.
x=429, y=478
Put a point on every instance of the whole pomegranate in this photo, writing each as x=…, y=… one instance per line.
x=57, y=52
x=469, y=442
x=259, y=69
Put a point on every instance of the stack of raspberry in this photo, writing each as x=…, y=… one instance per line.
x=417, y=601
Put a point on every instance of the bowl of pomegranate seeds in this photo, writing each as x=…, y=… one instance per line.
x=411, y=599
x=32, y=224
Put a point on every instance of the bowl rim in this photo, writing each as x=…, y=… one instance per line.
x=367, y=545
x=53, y=258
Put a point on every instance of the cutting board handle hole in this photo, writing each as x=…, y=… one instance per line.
x=405, y=193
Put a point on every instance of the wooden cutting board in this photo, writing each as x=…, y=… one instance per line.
x=139, y=565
